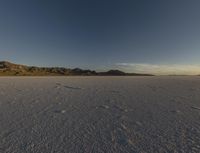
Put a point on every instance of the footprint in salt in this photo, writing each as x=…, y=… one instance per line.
x=60, y=111
x=103, y=106
x=58, y=85
x=176, y=111
x=70, y=87
x=194, y=107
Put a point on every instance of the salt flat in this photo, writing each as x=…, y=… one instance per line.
x=100, y=114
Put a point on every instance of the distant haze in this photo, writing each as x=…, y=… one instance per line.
x=160, y=69
x=148, y=36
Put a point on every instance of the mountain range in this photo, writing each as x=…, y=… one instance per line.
x=11, y=69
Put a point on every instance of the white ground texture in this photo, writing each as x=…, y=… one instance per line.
x=100, y=114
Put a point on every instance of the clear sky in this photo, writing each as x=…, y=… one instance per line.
x=158, y=36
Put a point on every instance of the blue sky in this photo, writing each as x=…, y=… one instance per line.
x=102, y=34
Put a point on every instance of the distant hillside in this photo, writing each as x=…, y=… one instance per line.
x=11, y=69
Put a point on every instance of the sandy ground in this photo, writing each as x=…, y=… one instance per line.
x=99, y=114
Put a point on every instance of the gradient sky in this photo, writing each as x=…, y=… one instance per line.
x=100, y=34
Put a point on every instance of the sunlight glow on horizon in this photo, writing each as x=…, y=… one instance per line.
x=171, y=69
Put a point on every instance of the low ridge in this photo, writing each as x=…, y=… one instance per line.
x=11, y=69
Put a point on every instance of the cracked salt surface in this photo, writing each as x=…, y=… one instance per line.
x=111, y=114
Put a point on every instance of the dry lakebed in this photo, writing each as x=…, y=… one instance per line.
x=157, y=114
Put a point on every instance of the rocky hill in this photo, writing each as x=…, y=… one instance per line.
x=11, y=69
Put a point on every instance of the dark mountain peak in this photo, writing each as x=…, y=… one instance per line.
x=117, y=72
x=113, y=72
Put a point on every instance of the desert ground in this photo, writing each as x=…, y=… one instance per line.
x=159, y=114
